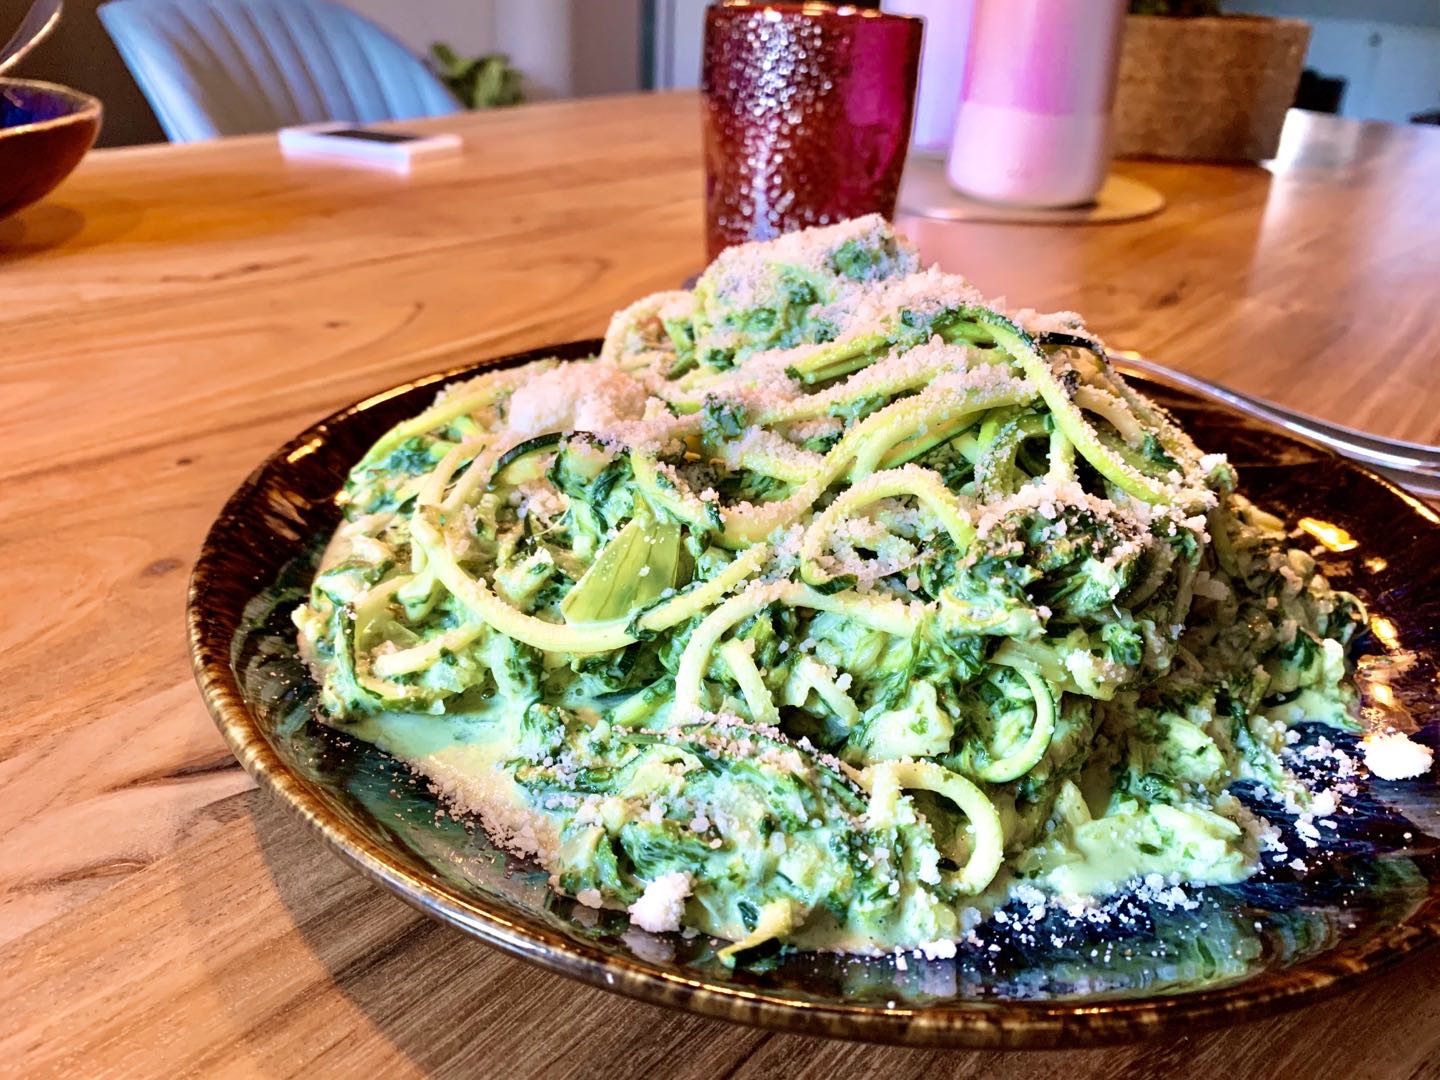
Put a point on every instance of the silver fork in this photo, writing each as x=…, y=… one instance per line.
x=1413, y=466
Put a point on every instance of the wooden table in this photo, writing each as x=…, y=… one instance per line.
x=172, y=314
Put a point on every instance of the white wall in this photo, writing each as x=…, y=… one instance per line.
x=1392, y=72
x=679, y=33
x=564, y=48
x=605, y=58
x=1394, y=12
x=1388, y=51
x=468, y=25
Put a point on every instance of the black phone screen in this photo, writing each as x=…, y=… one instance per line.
x=370, y=136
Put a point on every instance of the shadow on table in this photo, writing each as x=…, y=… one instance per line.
x=50, y=225
x=453, y=1006
x=37, y=229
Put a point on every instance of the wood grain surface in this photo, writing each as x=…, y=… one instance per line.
x=173, y=313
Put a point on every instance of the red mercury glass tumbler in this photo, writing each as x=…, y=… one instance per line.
x=807, y=111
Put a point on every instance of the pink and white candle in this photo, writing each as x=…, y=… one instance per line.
x=1033, y=126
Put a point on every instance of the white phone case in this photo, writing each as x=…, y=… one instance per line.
x=315, y=140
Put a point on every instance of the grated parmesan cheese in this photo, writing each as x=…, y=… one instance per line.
x=556, y=400
x=1393, y=755
x=662, y=904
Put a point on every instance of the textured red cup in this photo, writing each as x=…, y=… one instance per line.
x=807, y=115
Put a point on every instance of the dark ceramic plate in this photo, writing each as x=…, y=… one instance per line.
x=1371, y=896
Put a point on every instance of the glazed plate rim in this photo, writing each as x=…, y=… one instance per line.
x=966, y=1022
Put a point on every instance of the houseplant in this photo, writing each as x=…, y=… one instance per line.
x=1199, y=85
x=478, y=82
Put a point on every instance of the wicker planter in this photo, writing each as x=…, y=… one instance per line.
x=1207, y=89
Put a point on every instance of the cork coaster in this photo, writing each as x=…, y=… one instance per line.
x=925, y=192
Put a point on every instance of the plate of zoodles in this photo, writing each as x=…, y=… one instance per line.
x=832, y=649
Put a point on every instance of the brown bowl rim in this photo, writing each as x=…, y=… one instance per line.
x=969, y=1023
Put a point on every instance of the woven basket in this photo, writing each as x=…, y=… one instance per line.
x=1206, y=89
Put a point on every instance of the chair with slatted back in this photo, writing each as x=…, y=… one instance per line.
x=234, y=67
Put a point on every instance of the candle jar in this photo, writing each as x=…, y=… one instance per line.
x=1033, y=125
x=807, y=112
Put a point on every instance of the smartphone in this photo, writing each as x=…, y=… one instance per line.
x=366, y=146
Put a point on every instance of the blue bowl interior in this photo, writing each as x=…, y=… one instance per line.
x=21, y=105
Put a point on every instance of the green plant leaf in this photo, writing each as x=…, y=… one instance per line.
x=478, y=82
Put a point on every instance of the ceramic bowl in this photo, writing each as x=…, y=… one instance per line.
x=45, y=130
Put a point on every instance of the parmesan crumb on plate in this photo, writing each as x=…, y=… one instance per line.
x=940, y=949
x=1393, y=755
x=662, y=904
